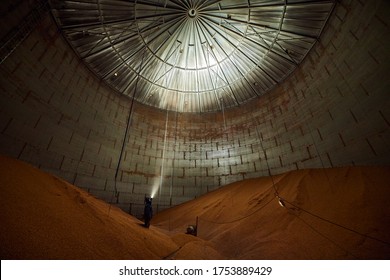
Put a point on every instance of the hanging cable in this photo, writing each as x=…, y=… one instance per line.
x=336, y=224
x=323, y=235
x=283, y=202
x=115, y=194
x=293, y=212
x=224, y=145
x=173, y=161
x=163, y=160
x=261, y=139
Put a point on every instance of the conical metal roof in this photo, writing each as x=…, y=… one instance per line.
x=192, y=55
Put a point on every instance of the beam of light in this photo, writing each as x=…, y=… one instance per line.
x=155, y=188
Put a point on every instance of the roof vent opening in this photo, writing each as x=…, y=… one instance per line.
x=192, y=12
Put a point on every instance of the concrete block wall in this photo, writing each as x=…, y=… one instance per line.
x=57, y=116
x=332, y=111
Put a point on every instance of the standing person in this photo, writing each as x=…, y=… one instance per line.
x=148, y=211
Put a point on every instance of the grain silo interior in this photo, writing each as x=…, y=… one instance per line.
x=260, y=129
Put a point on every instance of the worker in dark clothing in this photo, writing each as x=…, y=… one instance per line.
x=148, y=211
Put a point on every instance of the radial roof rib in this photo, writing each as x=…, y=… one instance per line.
x=197, y=55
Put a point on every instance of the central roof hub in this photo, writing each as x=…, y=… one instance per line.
x=192, y=55
x=192, y=13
